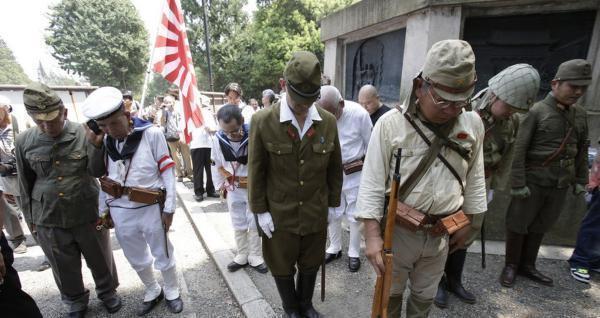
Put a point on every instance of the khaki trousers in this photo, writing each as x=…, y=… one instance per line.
x=64, y=247
x=420, y=258
x=180, y=148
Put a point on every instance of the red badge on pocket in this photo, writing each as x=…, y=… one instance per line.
x=462, y=135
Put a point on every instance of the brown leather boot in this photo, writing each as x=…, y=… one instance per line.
x=514, y=245
x=531, y=246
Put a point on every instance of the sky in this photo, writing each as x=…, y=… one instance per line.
x=23, y=24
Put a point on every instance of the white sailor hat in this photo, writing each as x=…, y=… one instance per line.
x=102, y=103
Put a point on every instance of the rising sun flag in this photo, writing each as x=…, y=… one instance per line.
x=173, y=60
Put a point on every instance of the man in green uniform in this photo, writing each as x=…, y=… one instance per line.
x=550, y=155
x=294, y=175
x=509, y=92
x=453, y=180
x=59, y=199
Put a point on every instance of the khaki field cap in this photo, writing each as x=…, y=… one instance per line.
x=303, y=77
x=102, y=103
x=450, y=69
x=516, y=85
x=576, y=72
x=41, y=102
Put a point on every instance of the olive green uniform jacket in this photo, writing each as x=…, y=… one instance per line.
x=540, y=134
x=55, y=177
x=295, y=180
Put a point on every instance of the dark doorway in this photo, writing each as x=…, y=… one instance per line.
x=542, y=40
x=376, y=61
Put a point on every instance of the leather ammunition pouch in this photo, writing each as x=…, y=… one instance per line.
x=352, y=167
x=415, y=220
x=242, y=182
x=111, y=187
x=145, y=196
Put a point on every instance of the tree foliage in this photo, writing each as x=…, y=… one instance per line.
x=11, y=72
x=103, y=40
x=254, y=53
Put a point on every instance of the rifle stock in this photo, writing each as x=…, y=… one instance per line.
x=383, y=284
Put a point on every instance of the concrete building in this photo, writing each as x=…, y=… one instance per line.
x=384, y=43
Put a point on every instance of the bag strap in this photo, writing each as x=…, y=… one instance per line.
x=412, y=180
x=560, y=148
x=431, y=145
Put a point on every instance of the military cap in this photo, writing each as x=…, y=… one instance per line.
x=268, y=92
x=516, y=85
x=233, y=87
x=102, y=103
x=576, y=72
x=127, y=93
x=303, y=77
x=41, y=102
x=450, y=69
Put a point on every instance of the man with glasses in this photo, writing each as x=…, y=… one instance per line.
x=551, y=154
x=509, y=92
x=230, y=173
x=443, y=180
x=295, y=173
x=354, y=130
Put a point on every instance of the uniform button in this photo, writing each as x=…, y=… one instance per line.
x=278, y=152
x=302, y=161
x=300, y=203
x=301, y=183
x=57, y=162
x=323, y=150
x=60, y=178
x=60, y=194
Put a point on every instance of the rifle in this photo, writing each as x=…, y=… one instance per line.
x=384, y=282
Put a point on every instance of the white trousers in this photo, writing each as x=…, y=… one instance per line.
x=347, y=207
x=247, y=240
x=141, y=236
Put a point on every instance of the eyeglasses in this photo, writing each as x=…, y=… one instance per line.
x=444, y=104
x=235, y=133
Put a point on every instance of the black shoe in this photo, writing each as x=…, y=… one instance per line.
x=198, y=198
x=113, y=304
x=78, y=314
x=213, y=195
x=261, y=268
x=353, y=264
x=454, y=269
x=532, y=273
x=175, y=306
x=330, y=257
x=441, y=297
x=233, y=266
x=147, y=306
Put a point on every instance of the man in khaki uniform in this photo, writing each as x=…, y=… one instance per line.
x=509, y=92
x=59, y=198
x=294, y=175
x=550, y=156
x=439, y=95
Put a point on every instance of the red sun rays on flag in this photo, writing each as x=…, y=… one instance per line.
x=173, y=60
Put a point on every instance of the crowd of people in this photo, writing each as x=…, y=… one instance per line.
x=294, y=172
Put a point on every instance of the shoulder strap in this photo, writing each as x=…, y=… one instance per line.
x=431, y=145
x=559, y=149
x=418, y=173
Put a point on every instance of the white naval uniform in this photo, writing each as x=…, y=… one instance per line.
x=138, y=227
x=245, y=230
x=354, y=130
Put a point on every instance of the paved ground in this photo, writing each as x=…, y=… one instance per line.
x=204, y=291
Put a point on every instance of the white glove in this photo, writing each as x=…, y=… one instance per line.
x=266, y=224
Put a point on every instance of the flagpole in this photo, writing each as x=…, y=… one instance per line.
x=207, y=42
x=149, y=65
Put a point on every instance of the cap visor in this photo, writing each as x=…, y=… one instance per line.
x=583, y=82
x=454, y=97
x=45, y=116
x=300, y=99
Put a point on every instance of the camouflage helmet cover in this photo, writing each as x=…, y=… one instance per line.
x=516, y=85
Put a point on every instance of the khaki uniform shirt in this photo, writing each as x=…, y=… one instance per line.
x=438, y=192
x=542, y=131
x=498, y=143
x=294, y=179
x=55, y=177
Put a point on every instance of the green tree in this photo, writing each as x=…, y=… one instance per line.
x=10, y=71
x=52, y=78
x=157, y=86
x=226, y=21
x=103, y=40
